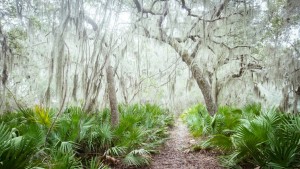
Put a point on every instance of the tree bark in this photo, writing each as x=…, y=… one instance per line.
x=112, y=96
x=296, y=97
x=214, y=86
x=202, y=84
x=285, y=99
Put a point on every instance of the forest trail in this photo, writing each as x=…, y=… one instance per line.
x=174, y=155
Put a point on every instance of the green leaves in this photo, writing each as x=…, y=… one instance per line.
x=137, y=157
x=220, y=141
x=4, y=137
x=81, y=140
x=142, y=128
x=267, y=139
x=16, y=152
x=95, y=163
x=198, y=120
x=200, y=123
x=116, y=151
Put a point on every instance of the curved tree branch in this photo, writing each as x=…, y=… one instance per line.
x=148, y=11
x=91, y=22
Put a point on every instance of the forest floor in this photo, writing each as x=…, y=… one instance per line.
x=175, y=153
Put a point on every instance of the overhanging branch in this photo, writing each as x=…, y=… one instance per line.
x=143, y=10
x=91, y=22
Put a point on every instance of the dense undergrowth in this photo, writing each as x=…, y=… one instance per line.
x=248, y=136
x=79, y=139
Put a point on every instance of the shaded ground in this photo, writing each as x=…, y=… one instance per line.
x=174, y=155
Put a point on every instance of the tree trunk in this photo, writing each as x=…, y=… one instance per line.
x=285, y=99
x=214, y=86
x=112, y=96
x=296, y=97
x=202, y=83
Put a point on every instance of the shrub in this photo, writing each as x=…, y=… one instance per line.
x=269, y=139
x=79, y=139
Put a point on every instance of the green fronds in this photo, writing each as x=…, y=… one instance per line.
x=60, y=160
x=42, y=116
x=269, y=139
x=4, y=138
x=220, y=141
x=96, y=163
x=81, y=140
x=115, y=151
x=200, y=122
x=138, y=157
x=17, y=151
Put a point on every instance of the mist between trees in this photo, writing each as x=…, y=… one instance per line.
x=171, y=52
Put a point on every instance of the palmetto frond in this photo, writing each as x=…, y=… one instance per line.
x=76, y=134
x=4, y=138
x=96, y=163
x=137, y=158
x=42, y=116
x=220, y=141
x=60, y=160
x=116, y=151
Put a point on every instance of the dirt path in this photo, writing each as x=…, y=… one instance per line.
x=174, y=156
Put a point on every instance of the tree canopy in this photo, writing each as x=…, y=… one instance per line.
x=235, y=51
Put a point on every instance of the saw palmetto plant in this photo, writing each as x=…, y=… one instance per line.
x=269, y=139
x=79, y=139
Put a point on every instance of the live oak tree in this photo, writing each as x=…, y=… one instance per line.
x=198, y=29
x=232, y=31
